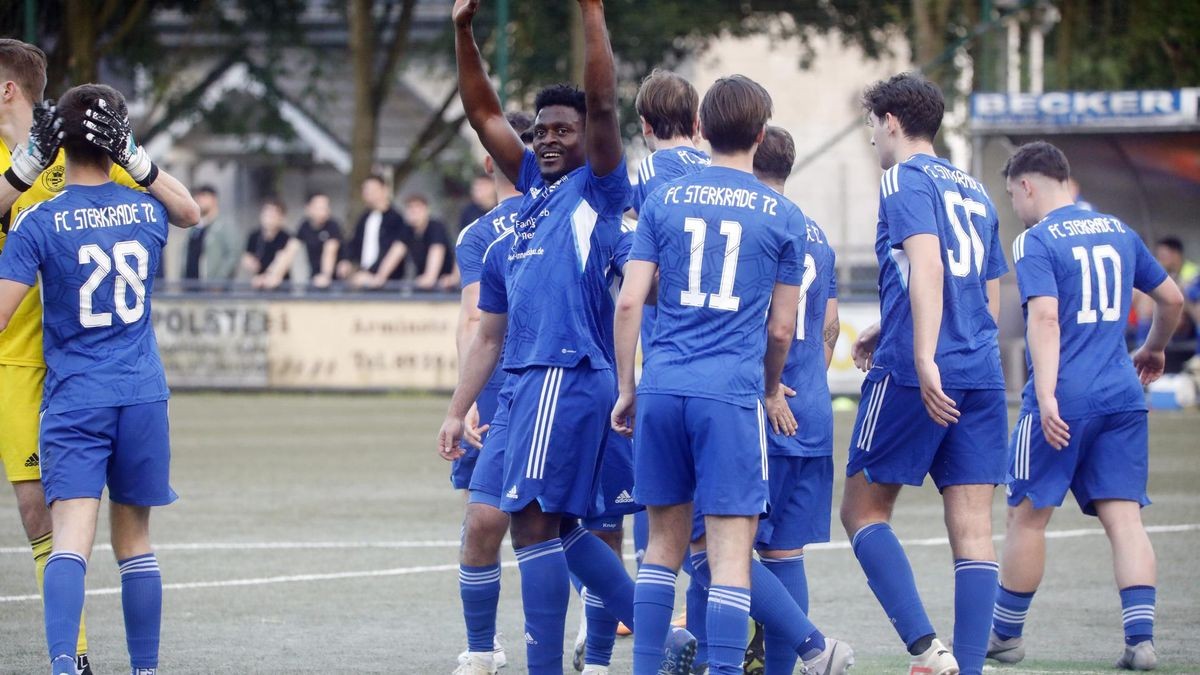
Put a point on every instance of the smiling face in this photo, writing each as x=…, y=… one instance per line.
x=558, y=141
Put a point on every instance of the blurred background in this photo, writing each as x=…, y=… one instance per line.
x=292, y=119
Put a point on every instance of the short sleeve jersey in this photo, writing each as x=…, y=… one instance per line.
x=21, y=342
x=476, y=237
x=721, y=240
x=97, y=249
x=559, y=306
x=928, y=195
x=804, y=370
x=314, y=239
x=1090, y=262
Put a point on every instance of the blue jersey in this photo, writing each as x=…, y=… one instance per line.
x=805, y=368
x=721, y=240
x=97, y=248
x=475, y=238
x=1091, y=263
x=928, y=195
x=557, y=269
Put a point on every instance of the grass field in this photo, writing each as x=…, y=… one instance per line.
x=317, y=534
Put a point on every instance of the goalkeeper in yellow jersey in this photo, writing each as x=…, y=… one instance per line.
x=33, y=171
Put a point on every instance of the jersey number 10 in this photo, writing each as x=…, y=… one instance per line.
x=1110, y=300
x=127, y=278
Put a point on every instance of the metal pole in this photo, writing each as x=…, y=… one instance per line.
x=1036, y=58
x=502, y=48
x=1012, y=60
x=30, y=21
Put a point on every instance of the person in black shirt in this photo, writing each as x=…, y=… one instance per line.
x=270, y=250
x=483, y=199
x=431, y=254
x=377, y=251
x=321, y=237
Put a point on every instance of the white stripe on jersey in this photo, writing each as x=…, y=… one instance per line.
x=22, y=215
x=503, y=235
x=463, y=233
x=583, y=222
x=1018, y=247
x=890, y=183
x=762, y=438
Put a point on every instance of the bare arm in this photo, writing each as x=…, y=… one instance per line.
x=329, y=258
x=250, y=264
x=1150, y=359
x=925, y=290
x=781, y=330
x=473, y=374
x=181, y=208
x=604, y=145
x=832, y=330
x=11, y=294
x=993, y=293
x=433, y=265
x=479, y=99
x=282, y=264
x=8, y=196
x=468, y=319
x=1043, y=333
x=639, y=281
x=391, y=260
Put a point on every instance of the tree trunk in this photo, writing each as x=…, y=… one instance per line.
x=365, y=132
x=80, y=28
x=577, y=46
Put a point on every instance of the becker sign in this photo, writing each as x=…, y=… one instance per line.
x=1175, y=107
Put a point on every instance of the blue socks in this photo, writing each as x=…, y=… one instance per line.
x=1012, y=608
x=653, y=600
x=975, y=583
x=780, y=656
x=891, y=580
x=479, y=588
x=728, y=617
x=545, y=592
x=141, y=601
x=1137, y=609
x=62, y=590
x=601, y=630
x=697, y=605
x=601, y=571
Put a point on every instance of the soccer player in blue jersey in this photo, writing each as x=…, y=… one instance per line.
x=556, y=313
x=933, y=400
x=1083, y=412
x=484, y=524
x=96, y=247
x=725, y=248
x=801, y=466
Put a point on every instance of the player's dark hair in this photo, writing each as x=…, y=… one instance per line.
x=915, y=101
x=775, y=156
x=315, y=194
x=72, y=107
x=1038, y=157
x=734, y=110
x=668, y=103
x=24, y=64
x=561, y=94
x=522, y=123
x=205, y=189
x=1173, y=243
x=276, y=202
x=416, y=197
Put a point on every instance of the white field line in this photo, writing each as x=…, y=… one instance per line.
x=422, y=569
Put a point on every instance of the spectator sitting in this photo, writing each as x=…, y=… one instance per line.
x=270, y=249
x=483, y=199
x=211, y=255
x=376, y=252
x=430, y=253
x=321, y=237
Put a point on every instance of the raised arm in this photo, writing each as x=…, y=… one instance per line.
x=177, y=199
x=479, y=99
x=604, y=146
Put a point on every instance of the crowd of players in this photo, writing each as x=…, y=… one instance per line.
x=726, y=442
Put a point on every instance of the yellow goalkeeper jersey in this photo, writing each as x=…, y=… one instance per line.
x=21, y=342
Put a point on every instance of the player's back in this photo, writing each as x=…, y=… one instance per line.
x=928, y=195
x=721, y=240
x=1090, y=262
x=98, y=248
x=663, y=166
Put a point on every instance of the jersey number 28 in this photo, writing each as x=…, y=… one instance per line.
x=128, y=277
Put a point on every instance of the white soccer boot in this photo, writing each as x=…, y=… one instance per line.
x=836, y=659
x=1011, y=650
x=477, y=663
x=937, y=660
x=498, y=656
x=1139, y=657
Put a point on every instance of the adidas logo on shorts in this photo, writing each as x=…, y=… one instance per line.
x=32, y=461
x=512, y=493
x=624, y=498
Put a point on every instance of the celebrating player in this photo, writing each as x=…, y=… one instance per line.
x=1083, y=413
x=801, y=466
x=97, y=246
x=935, y=352
x=33, y=169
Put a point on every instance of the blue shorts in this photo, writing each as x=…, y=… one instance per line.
x=700, y=450
x=487, y=479
x=896, y=442
x=616, y=485
x=801, y=500
x=128, y=448
x=1107, y=458
x=462, y=468
x=557, y=430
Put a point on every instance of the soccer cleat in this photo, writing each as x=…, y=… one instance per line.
x=937, y=660
x=700, y=669
x=623, y=630
x=580, y=641
x=63, y=665
x=595, y=670
x=679, y=653
x=498, y=656
x=1139, y=657
x=82, y=665
x=754, y=662
x=1011, y=650
x=477, y=663
x=836, y=659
